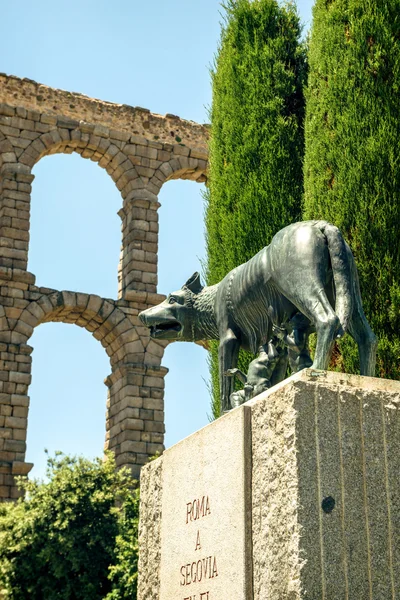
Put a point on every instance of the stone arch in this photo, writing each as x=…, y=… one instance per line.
x=94, y=143
x=101, y=317
x=180, y=167
x=138, y=166
x=102, y=150
x=135, y=417
x=65, y=136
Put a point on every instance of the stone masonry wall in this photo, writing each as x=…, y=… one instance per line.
x=140, y=151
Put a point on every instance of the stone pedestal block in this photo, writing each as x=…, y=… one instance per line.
x=324, y=479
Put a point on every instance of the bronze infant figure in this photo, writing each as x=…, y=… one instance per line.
x=258, y=378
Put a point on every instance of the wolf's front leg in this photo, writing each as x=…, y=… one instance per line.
x=228, y=356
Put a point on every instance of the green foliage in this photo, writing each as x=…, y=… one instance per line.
x=60, y=540
x=123, y=573
x=214, y=378
x=256, y=146
x=352, y=160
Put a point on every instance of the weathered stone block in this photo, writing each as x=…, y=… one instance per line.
x=146, y=414
x=126, y=458
x=154, y=426
x=133, y=446
x=20, y=411
x=146, y=151
x=136, y=424
x=199, y=495
x=17, y=377
x=15, y=445
x=131, y=402
x=129, y=434
x=21, y=468
x=49, y=119
x=325, y=498
x=127, y=413
x=7, y=456
x=19, y=434
x=154, y=449
x=325, y=453
x=153, y=403
x=15, y=492
x=4, y=491
x=15, y=422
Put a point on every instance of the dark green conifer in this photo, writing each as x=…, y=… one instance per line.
x=256, y=150
x=352, y=161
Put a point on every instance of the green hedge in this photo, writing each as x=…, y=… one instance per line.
x=352, y=160
x=257, y=143
x=74, y=536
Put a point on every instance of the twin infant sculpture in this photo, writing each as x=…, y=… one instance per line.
x=305, y=281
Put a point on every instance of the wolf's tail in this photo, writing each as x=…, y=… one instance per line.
x=341, y=269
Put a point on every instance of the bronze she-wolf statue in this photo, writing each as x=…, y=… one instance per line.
x=306, y=275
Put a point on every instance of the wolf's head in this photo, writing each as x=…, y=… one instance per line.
x=181, y=316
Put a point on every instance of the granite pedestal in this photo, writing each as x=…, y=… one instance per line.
x=294, y=495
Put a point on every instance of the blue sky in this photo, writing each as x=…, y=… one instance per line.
x=153, y=54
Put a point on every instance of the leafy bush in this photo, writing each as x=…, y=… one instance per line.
x=124, y=571
x=65, y=538
x=256, y=148
x=352, y=160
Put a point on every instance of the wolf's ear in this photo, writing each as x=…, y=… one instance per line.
x=193, y=283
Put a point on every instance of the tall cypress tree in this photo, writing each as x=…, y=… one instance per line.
x=257, y=143
x=352, y=161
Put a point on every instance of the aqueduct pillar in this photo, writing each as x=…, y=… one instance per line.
x=140, y=151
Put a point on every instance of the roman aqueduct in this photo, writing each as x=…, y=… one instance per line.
x=140, y=151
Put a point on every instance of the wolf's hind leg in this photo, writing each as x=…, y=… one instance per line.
x=320, y=312
x=365, y=338
x=326, y=333
x=360, y=330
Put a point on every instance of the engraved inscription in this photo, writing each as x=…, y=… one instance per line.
x=197, y=509
x=195, y=572
x=206, y=495
x=204, y=568
x=198, y=544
